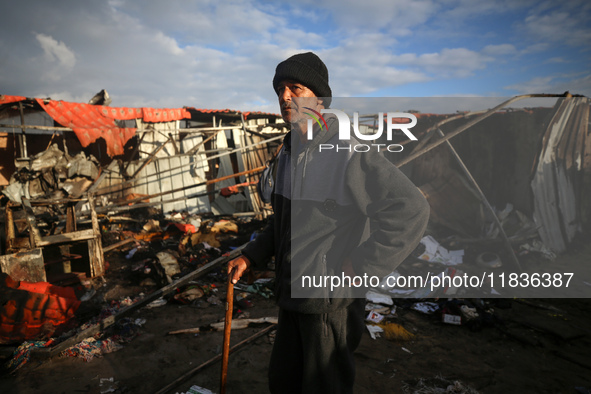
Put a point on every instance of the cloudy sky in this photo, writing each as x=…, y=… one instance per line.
x=222, y=54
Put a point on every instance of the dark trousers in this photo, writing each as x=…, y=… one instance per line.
x=313, y=353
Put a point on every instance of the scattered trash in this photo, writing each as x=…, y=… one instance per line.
x=52, y=174
x=437, y=385
x=189, y=295
x=436, y=253
x=22, y=354
x=395, y=332
x=125, y=330
x=489, y=260
x=378, y=298
x=108, y=385
x=242, y=301
x=198, y=390
x=88, y=295
x=539, y=247
x=452, y=319
x=185, y=227
x=374, y=331
x=377, y=308
x=214, y=300
x=156, y=303
x=375, y=317
x=468, y=312
x=262, y=288
x=271, y=336
x=406, y=350
x=131, y=253
x=169, y=263
x=402, y=292
x=90, y=348
x=152, y=226
x=425, y=307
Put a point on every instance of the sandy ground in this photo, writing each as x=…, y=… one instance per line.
x=537, y=346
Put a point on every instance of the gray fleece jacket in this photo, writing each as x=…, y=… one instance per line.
x=331, y=205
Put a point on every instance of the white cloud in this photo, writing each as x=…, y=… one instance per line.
x=212, y=54
x=450, y=62
x=555, y=84
x=295, y=38
x=203, y=22
x=56, y=51
x=167, y=43
x=379, y=70
x=556, y=60
x=397, y=17
x=499, y=50
x=534, y=85
x=564, y=23
x=536, y=48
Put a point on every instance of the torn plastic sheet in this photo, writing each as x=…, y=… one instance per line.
x=436, y=253
x=538, y=246
x=378, y=298
x=425, y=307
x=378, y=308
x=402, y=292
x=198, y=390
x=374, y=331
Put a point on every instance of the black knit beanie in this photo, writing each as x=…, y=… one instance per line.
x=307, y=69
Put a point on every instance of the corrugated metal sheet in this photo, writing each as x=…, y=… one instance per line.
x=169, y=171
x=560, y=196
x=236, y=202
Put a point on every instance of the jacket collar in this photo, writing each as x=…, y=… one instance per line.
x=321, y=136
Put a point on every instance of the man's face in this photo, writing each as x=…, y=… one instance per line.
x=292, y=111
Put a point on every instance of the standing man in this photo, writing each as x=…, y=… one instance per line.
x=324, y=201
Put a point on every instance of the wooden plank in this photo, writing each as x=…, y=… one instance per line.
x=118, y=244
x=95, y=245
x=34, y=234
x=81, y=235
x=9, y=227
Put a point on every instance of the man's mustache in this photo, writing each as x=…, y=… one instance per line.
x=288, y=106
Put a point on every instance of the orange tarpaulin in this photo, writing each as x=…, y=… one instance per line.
x=33, y=310
x=91, y=122
x=4, y=99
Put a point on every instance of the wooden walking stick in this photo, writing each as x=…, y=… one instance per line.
x=227, y=330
